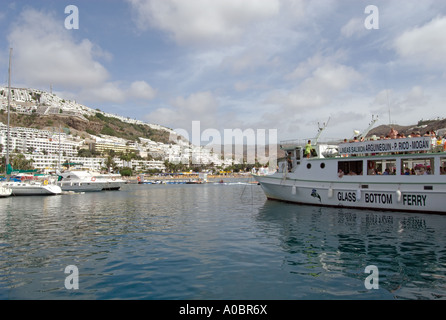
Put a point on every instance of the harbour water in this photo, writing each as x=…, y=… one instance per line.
x=214, y=241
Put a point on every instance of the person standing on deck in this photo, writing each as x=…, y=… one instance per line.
x=308, y=149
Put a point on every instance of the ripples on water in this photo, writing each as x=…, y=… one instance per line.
x=213, y=242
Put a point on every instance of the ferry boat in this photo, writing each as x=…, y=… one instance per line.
x=406, y=174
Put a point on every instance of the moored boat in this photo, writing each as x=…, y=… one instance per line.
x=405, y=174
x=111, y=181
x=32, y=188
x=79, y=181
x=4, y=191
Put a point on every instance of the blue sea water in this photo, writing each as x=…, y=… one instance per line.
x=214, y=241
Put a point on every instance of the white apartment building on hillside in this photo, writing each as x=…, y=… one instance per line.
x=28, y=140
x=50, y=163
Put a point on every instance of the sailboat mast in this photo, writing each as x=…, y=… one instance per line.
x=60, y=163
x=9, y=111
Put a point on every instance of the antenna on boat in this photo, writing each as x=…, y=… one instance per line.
x=320, y=130
x=388, y=105
x=371, y=124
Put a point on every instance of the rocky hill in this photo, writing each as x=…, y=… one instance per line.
x=42, y=110
x=422, y=126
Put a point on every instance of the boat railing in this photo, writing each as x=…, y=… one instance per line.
x=303, y=142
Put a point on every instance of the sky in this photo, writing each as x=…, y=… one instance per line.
x=285, y=65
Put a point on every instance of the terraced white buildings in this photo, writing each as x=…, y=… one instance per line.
x=44, y=147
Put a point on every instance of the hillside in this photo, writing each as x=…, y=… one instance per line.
x=94, y=125
x=42, y=110
x=422, y=126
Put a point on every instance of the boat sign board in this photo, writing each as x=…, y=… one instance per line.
x=390, y=145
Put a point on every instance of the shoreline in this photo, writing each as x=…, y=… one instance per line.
x=186, y=177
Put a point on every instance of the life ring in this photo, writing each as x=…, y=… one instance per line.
x=45, y=182
x=371, y=164
x=93, y=178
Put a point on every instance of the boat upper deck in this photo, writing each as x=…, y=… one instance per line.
x=372, y=147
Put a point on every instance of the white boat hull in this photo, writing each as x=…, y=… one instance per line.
x=80, y=181
x=81, y=186
x=113, y=185
x=376, y=196
x=25, y=189
x=110, y=181
x=5, y=192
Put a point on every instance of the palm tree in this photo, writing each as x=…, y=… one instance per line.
x=19, y=162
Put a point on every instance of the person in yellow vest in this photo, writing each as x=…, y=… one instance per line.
x=308, y=149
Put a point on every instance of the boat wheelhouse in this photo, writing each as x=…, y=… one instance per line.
x=80, y=181
x=406, y=174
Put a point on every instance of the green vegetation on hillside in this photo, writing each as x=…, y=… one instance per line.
x=96, y=125
x=115, y=127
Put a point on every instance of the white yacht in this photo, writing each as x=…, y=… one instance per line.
x=5, y=191
x=79, y=181
x=32, y=188
x=405, y=174
x=111, y=181
x=19, y=187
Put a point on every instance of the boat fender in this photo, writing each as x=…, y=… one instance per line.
x=398, y=195
x=358, y=194
x=330, y=193
x=93, y=178
x=293, y=190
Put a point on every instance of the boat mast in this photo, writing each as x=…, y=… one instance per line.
x=9, y=111
x=320, y=130
x=371, y=124
x=60, y=161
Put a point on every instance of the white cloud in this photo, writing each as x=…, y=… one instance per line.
x=200, y=106
x=425, y=44
x=322, y=82
x=200, y=21
x=45, y=53
x=407, y=106
x=141, y=90
x=354, y=28
x=108, y=91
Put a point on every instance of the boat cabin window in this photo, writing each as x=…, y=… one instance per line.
x=442, y=165
x=417, y=166
x=293, y=158
x=297, y=153
x=350, y=168
x=381, y=167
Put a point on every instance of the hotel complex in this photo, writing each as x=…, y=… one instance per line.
x=50, y=149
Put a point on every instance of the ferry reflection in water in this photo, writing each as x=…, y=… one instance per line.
x=335, y=246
